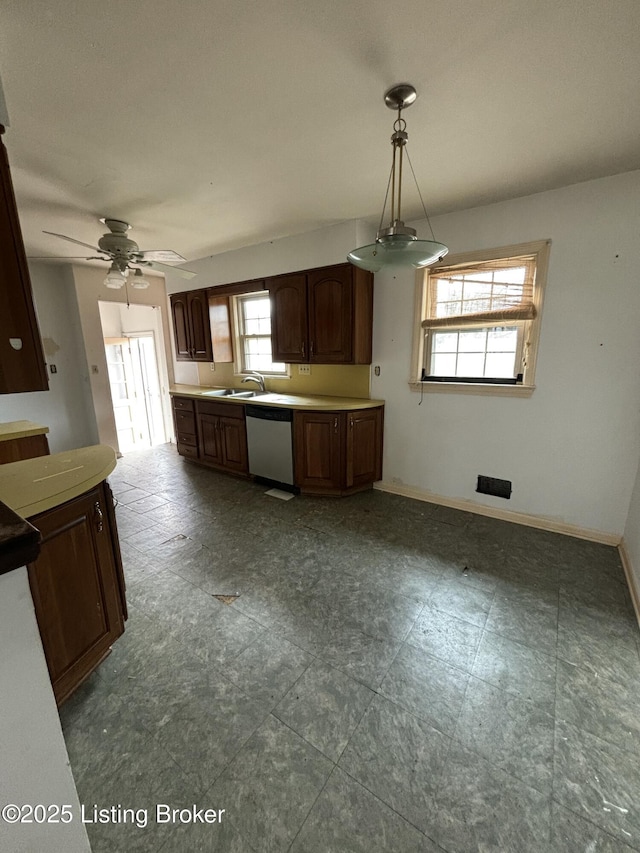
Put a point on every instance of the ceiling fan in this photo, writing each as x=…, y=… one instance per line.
x=125, y=254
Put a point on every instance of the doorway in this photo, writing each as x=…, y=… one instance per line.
x=135, y=391
x=135, y=375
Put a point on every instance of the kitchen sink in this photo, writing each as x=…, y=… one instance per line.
x=232, y=392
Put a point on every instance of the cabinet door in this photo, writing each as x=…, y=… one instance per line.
x=233, y=441
x=288, y=297
x=331, y=315
x=75, y=589
x=208, y=439
x=220, y=322
x=318, y=450
x=364, y=447
x=22, y=365
x=180, y=314
x=198, y=310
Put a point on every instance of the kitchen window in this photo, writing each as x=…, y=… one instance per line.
x=478, y=320
x=253, y=319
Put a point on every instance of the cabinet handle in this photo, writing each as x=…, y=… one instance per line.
x=351, y=422
x=335, y=425
x=311, y=350
x=99, y=517
x=303, y=349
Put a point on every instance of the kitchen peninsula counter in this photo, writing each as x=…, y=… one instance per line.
x=35, y=485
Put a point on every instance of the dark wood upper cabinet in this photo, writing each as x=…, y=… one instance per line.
x=289, y=312
x=322, y=316
x=22, y=364
x=330, y=293
x=190, y=312
x=198, y=311
x=180, y=314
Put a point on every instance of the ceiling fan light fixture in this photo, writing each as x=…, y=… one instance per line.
x=397, y=245
x=115, y=277
x=139, y=281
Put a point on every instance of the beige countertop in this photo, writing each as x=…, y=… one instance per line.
x=35, y=485
x=286, y=401
x=21, y=429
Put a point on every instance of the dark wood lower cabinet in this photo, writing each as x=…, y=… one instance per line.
x=363, y=463
x=318, y=440
x=338, y=453
x=335, y=453
x=222, y=436
x=27, y=447
x=77, y=584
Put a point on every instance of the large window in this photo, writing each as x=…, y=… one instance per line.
x=479, y=318
x=254, y=335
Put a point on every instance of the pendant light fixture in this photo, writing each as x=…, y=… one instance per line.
x=397, y=245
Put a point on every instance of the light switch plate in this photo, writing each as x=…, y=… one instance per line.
x=305, y=369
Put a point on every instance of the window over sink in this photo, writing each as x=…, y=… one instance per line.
x=253, y=335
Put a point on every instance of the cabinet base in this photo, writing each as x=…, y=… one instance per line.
x=334, y=493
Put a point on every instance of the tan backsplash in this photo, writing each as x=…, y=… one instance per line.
x=335, y=380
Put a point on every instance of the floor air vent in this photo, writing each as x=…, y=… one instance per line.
x=493, y=486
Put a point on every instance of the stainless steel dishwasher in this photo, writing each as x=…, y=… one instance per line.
x=270, y=443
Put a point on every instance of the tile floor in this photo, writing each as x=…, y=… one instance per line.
x=393, y=676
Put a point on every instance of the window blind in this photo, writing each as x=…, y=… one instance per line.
x=490, y=291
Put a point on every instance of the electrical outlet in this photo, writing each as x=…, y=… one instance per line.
x=305, y=369
x=213, y=366
x=376, y=370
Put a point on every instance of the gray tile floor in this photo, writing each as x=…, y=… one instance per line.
x=393, y=676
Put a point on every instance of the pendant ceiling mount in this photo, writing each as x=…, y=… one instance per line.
x=397, y=244
x=400, y=97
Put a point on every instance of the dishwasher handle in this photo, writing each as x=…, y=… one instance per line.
x=269, y=413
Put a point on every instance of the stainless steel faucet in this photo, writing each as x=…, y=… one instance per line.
x=256, y=377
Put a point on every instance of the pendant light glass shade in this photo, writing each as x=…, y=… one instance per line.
x=115, y=278
x=139, y=281
x=397, y=245
x=397, y=251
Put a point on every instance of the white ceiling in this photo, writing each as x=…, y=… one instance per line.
x=212, y=125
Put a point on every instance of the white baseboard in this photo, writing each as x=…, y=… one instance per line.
x=537, y=521
x=630, y=575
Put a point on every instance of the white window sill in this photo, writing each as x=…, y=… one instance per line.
x=472, y=388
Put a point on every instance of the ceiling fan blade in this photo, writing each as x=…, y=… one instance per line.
x=155, y=265
x=71, y=240
x=63, y=258
x=164, y=256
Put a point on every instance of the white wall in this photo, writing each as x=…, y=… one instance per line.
x=632, y=534
x=571, y=449
x=35, y=764
x=66, y=407
x=304, y=251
